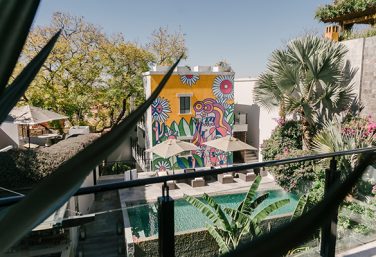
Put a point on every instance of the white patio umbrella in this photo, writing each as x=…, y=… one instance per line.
x=31, y=115
x=229, y=144
x=171, y=147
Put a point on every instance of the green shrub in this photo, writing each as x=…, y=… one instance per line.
x=285, y=137
x=295, y=177
x=116, y=168
x=342, y=8
x=25, y=168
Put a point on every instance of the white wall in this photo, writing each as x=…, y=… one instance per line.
x=8, y=133
x=86, y=201
x=244, y=101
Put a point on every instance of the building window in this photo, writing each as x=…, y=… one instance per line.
x=185, y=104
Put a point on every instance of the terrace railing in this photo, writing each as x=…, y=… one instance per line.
x=285, y=237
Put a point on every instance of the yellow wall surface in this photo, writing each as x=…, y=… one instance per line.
x=200, y=90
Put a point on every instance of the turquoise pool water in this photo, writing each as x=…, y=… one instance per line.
x=144, y=219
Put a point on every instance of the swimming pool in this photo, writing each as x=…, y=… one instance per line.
x=144, y=220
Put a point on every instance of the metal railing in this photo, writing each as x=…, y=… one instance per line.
x=165, y=211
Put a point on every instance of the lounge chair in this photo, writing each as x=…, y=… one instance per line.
x=171, y=183
x=247, y=175
x=225, y=178
x=198, y=182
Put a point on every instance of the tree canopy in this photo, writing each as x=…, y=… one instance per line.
x=89, y=76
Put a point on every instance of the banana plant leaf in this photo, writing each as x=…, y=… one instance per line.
x=51, y=193
x=222, y=219
x=204, y=209
x=300, y=207
x=245, y=206
x=280, y=240
x=265, y=212
x=16, y=19
x=223, y=247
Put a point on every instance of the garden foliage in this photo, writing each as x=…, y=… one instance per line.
x=230, y=227
x=285, y=137
x=343, y=7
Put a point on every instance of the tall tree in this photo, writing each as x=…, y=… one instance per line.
x=88, y=76
x=166, y=46
x=310, y=79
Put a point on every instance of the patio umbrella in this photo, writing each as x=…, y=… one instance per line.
x=171, y=147
x=31, y=115
x=229, y=144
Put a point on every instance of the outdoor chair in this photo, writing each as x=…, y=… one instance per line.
x=171, y=183
x=198, y=182
x=225, y=178
x=247, y=175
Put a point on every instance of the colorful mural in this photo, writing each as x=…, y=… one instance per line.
x=189, y=79
x=211, y=117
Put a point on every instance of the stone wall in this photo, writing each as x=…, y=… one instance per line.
x=195, y=243
x=362, y=55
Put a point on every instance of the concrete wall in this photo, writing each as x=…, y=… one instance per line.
x=260, y=121
x=86, y=201
x=8, y=133
x=362, y=55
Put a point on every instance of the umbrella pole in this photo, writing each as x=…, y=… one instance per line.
x=172, y=162
x=28, y=134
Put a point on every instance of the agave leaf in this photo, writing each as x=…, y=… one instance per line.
x=51, y=193
x=203, y=208
x=223, y=247
x=222, y=219
x=246, y=204
x=262, y=214
x=16, y=19
x=18, y=87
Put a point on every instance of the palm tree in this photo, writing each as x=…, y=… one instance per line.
x=309, y=79
x=231, y=226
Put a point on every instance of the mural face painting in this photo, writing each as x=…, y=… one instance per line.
x=211, y=117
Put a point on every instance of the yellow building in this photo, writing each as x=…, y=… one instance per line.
x=195, y=105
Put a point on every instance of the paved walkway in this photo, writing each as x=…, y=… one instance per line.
x=150, y=193
x=101, y=237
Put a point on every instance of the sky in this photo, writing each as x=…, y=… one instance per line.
x=242, y=32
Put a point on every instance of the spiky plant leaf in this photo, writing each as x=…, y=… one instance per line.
x=15, y=22
x=51, y=193
x=18, y=87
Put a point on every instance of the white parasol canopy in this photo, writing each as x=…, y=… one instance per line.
x=31, y=115
x=171, y=147
x=229, y=144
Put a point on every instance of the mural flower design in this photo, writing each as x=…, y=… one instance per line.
x=160, y=109
x=163, y=165
x=223, y=87
x=189, y=79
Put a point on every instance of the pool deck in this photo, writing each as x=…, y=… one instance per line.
x=150, y=193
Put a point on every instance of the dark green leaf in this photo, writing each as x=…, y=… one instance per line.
x=55, y=190
x=246, y=205
x=16, y=17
